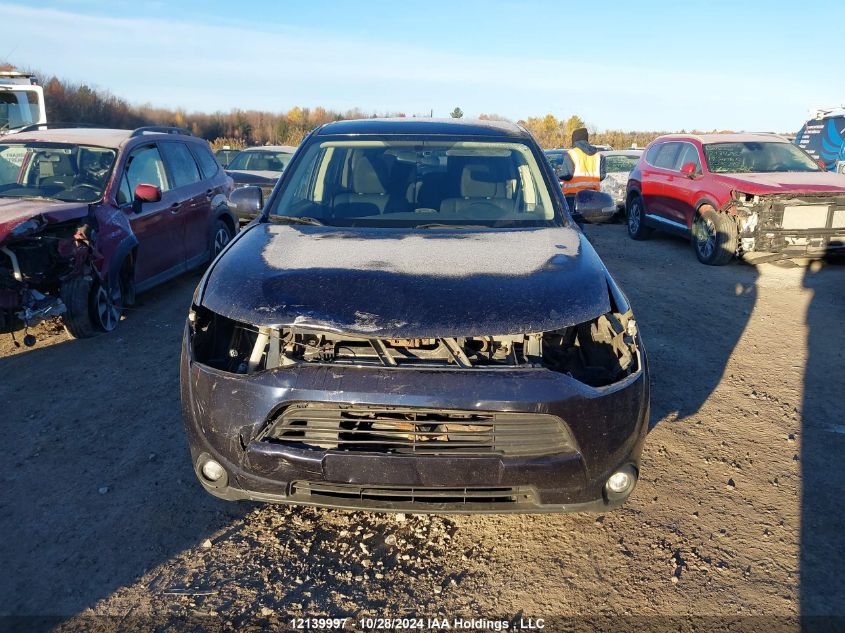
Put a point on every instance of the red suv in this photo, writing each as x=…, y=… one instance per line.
x=89, y=217
x=737, y=194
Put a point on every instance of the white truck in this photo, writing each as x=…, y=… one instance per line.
x=21, y=101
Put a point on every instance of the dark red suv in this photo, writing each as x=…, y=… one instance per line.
x=737, y=194
x=89, y=217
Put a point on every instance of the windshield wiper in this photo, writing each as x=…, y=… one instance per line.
x=436, y=225
x=292, y=219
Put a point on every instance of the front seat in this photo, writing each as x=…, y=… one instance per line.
x=368, y=195
x=481, y=187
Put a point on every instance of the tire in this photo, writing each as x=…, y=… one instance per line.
x=91, y=309
x=714, y=237
x=222, y=236
x=76, y=295
x=635, y=219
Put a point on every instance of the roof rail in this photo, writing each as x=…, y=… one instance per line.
x=56, y=125
x=159, y=129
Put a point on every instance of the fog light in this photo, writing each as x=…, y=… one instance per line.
x=212, y=471
x=619, y=482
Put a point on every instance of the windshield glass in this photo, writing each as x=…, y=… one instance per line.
x=18, y=108
x=743, y=158
x=71, y=173
x=260, y=160
x=417, y=182
x=620, y=163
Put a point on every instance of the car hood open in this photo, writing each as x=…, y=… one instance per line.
x=14, y=212
x=403, y=283
x=786, y=182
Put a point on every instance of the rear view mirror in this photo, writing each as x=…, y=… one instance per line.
x=690, y=170
x=147, y=193
x=594, y=206
x=248, y=201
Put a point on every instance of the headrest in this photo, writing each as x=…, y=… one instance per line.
x=365, y=178
x=478, y=181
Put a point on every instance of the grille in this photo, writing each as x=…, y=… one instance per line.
x=415, y=495
x=419, y=431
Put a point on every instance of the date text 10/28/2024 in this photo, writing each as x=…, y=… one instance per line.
x=419, y=624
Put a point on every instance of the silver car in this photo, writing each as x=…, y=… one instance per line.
x=618, y=165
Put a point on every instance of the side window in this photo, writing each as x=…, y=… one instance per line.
x=144, y=167
x=124, y=194
x=667, y=155
x=651, y=154
x=180, y=163
x=688, y=154
x=208, y=163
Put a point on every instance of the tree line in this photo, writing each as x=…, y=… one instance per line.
x=68, y=102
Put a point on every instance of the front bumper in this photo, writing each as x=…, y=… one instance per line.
x=792, y=226
x=225, y=415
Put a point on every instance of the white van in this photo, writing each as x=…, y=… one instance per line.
x=21, y=101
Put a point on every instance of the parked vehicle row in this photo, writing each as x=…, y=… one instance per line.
x=412, y=321
x=90, y=217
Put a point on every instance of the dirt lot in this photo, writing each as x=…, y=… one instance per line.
x=737, y=512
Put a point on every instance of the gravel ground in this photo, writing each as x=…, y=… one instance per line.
x=736, y=514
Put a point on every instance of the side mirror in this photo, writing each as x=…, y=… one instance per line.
x=594, y=206
x=689, y=170
x=248, y=201
x=147, y=193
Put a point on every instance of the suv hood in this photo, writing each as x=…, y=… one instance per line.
x=258, y=177
x=16, y=211
x=403, y=283
x=785, y=182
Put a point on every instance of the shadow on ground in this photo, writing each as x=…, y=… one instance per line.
x=822, y=555
x=97, y=485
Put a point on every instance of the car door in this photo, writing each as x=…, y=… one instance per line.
x=659, y=163
x=156, y=225
x=194, y=197
x=681, y=190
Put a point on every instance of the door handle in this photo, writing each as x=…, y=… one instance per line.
x=209, y=194
x=175, y=208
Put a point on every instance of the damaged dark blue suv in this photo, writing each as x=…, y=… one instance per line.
x=415, y=323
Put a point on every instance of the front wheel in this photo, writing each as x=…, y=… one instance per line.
x=222, y=236
x=714, y=237
x=635, y=211
x=91, y=307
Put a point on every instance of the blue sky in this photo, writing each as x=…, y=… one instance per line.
x=631, y=65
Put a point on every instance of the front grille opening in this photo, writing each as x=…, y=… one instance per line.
x=412, y=495
x=598, y=353
x=314, y=426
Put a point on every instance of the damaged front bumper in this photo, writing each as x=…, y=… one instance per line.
x=790, y=225
x=238, y=421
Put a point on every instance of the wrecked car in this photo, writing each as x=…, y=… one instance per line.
x=415, y=323
x=618, y=165
x=90, y=217
x=748, y=195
